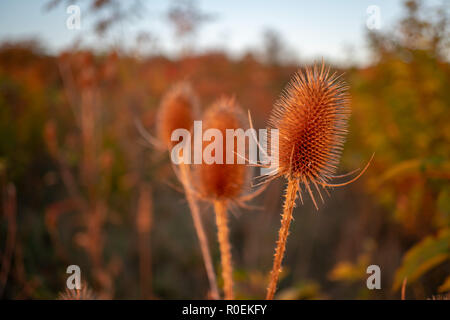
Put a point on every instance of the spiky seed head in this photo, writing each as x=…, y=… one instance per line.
x=312, y=118
x=445, y=296
x=222, y=181
x=178, y=110
x=85, y=293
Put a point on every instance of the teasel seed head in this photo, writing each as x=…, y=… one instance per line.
x=312, y=118
x=178, y=110
x=222, y=181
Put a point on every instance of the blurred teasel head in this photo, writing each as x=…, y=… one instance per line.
x=222, y=181
x=178, y=110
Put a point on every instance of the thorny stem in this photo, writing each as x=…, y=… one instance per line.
x=198, y=225
x=289, y=203
x=225, y=248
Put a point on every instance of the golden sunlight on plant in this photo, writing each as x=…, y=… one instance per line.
x=311, y=117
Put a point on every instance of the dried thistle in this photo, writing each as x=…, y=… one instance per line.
x=312, y=118
x=222, y=183
x=178, y=110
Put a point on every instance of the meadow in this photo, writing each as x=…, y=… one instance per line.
x=82, y=184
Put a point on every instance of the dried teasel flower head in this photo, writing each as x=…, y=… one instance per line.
x=311, y=116
x=178, y=110
x=222, y=181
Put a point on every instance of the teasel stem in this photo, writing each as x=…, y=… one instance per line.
x=201, y=235
x=144, y=221
x=225, y=248
x=289, y=204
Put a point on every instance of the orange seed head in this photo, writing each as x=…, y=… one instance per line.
x=312, y=118
x=178, y=110
x=222, y=181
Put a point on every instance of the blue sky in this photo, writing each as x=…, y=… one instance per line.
x=311, y=29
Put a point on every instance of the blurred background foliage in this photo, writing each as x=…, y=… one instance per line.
x=79, y=185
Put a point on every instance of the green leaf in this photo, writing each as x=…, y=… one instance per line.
x=423, y=256
x=445, y=286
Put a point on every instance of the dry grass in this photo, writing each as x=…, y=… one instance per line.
x=178, y=110
x=144, y=224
